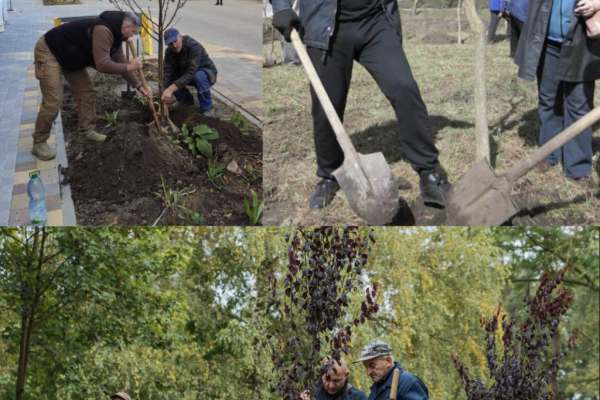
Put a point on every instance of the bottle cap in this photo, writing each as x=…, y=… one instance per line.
x=34, y=174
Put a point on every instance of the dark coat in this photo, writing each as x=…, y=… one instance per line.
x=579, y=57
x=353, y=393
x=410, y=387
x=191, y=59
x=71, y=44
x=318, y=18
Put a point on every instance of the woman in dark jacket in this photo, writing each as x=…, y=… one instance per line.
x=554, y=48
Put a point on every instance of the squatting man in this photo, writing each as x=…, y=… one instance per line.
x=379, y=363
x=68, y=50
x=187, y=64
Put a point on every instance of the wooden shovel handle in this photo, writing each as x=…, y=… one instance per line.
x=395, y=384
x=143, y=79
x=557, y=142
x=318, y=87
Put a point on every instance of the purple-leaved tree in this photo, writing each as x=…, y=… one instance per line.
x=324, y=268
x=527, y=362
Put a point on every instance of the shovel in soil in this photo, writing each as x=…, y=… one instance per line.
x=270, y=57
x=366, y=180
x=128, y=94
x=482, y=197
x=172, y=127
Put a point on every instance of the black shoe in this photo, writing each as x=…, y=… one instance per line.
x=323, y=194
x=435, y=189
x=179, y=104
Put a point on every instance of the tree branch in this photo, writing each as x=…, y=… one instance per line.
x=564, y=280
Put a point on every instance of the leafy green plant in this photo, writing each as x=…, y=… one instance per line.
x=198, y=139
x=143, y=100
x=239, y=122
x=252, y=173
x=111, y=118
x=255, y=212
x=215, y=174
x=149, y=74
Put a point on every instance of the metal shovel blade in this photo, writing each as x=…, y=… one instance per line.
x=377, y=201
x=480, y=197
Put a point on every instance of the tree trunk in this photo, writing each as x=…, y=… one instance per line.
x=458, y=18
x=481, y=127
x=414, y=8
x=161, y=31
x=555, y=352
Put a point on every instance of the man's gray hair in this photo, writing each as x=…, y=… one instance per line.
x=132, y=18
x=382, y=358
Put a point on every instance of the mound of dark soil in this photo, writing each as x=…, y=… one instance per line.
x=115, y=183
x=438, y=38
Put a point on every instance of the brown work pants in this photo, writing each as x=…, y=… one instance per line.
x=48, y=72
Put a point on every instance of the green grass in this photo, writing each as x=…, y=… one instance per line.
x=444, y=75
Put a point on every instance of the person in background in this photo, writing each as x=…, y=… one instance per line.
x=517, y=11
x=496, y=9
x=334, y=384
x=554, y=49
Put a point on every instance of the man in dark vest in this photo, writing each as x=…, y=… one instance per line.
x=336, y=34
x=187, y=64
x=68, y=50
x=377, y=359
x=334, y=384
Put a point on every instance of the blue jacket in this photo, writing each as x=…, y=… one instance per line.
x=518, y=9
x=410, y=387
x=497, y=5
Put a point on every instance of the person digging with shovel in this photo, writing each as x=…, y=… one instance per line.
x=379, y=363
x=334, y=384
x=68, y=50
x=368, y=31
x=187, y=64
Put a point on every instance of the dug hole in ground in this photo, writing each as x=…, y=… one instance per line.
x=138, y=175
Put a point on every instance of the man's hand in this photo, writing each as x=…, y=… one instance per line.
x=166, y=95
x=135, y=64
x=147, y=93
x=284, y=21
x=305, y=395
x=587, y=8
x=166, y=110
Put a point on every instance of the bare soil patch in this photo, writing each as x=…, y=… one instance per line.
x=119, y=182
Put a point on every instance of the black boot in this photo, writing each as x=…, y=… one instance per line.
x=323, y=194
x=434, y=188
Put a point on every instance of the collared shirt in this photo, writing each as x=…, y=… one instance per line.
x=410, y=387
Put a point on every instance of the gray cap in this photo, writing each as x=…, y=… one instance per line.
x=374, y=349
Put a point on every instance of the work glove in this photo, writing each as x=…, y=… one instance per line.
x=284, y=21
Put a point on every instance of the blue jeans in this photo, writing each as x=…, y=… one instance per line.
x=202, y=85
x=560, y=104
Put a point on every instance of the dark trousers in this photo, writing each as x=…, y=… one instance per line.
x=202, y=85
x=494, y=21
x=560, y=104
x=516, y=27
x=377, y=47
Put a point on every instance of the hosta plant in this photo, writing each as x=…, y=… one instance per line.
x=198, y=139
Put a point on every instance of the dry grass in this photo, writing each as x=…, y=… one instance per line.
x=444, y=76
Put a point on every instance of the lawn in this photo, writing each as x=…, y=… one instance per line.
x=443, y=69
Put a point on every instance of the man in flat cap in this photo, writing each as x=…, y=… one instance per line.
x=120, y=396
x=334, y=384
x=379, y=362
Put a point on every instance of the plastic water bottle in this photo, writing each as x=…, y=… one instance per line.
x=37, y=202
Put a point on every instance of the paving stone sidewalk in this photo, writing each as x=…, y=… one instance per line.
x=20, y=97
